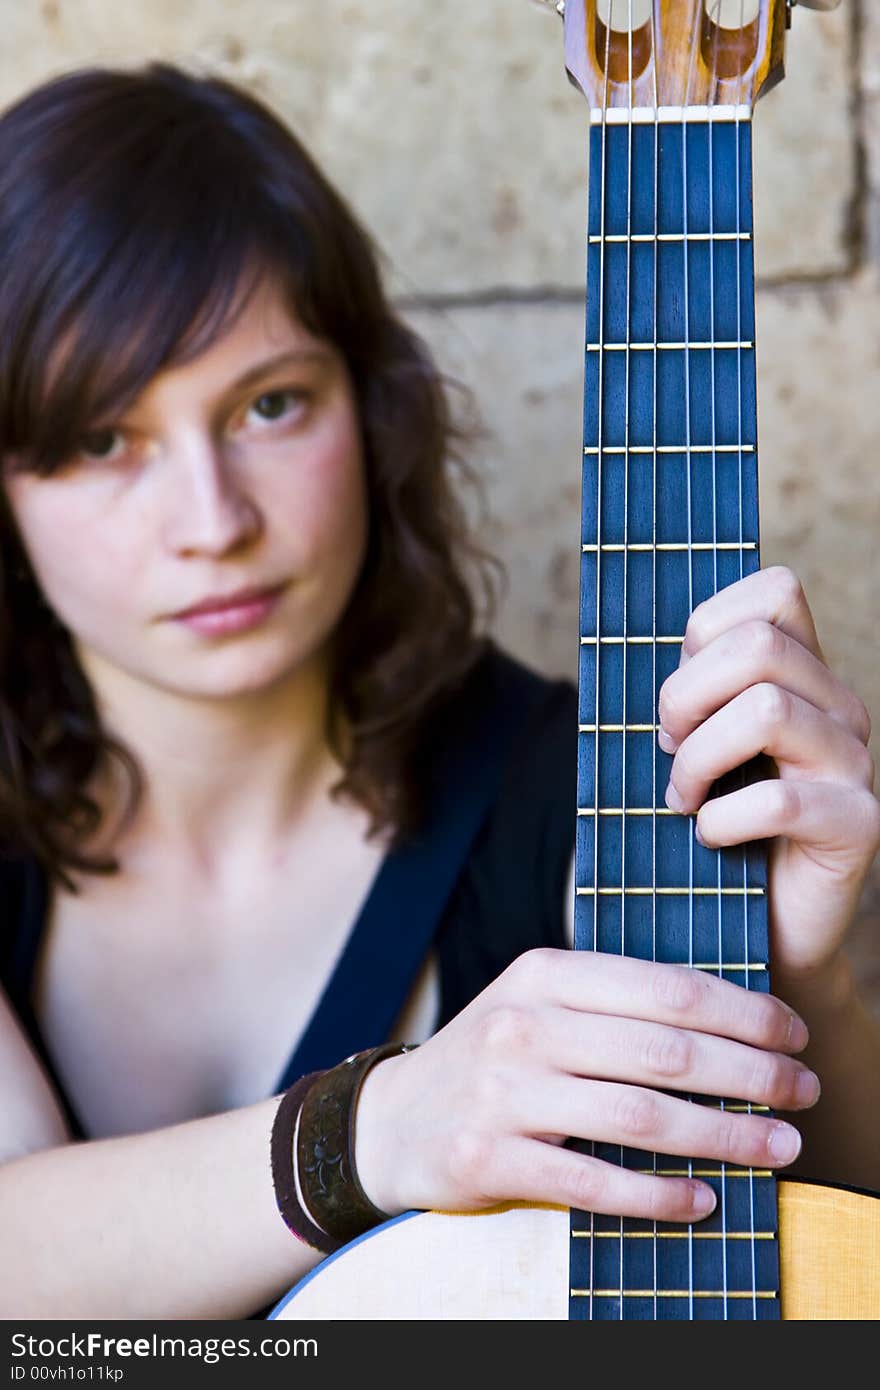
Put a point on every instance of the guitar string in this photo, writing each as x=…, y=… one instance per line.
x=655, y=27
x=690, y=539
x=600, y=440
x=714, y=439
x=626, y=441
x=739, y=418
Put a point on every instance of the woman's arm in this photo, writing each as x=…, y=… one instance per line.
x=175, y=1223
x=842, y=1133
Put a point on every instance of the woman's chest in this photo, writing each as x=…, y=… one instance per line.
x=159, y=1003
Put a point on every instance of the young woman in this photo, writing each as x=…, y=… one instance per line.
x=243, y=687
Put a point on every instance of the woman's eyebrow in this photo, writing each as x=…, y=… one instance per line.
x=255, y=373
x=283, y=359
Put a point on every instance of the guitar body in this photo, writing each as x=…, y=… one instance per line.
x=513, y=1263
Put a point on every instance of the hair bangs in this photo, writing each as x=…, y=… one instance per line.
x=140, y=261
x=142, y=313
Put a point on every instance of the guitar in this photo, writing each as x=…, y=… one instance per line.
x=669, y=516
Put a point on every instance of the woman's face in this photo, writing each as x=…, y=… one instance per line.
x=206, y=486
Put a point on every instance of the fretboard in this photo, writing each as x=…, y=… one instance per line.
x=670, y=516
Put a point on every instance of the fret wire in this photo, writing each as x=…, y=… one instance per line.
x=631, y=641
x=665, y=892
x=618, y=728
x=675, y=237
x=706, y=1172
x=675, y=1235
x=671, y=545
x=656, y=1294
x=739, y=967
x=673, y=115
x=670, y=449
x=685, y=347
x=746, y=1108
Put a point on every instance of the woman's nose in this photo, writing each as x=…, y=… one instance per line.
x=211, y=510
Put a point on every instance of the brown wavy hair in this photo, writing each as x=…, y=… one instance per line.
x=131, y=203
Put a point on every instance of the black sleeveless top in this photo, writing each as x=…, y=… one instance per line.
x=508, y=896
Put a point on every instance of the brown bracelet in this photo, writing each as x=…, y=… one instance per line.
x=285, y=1178
x=325, y=1147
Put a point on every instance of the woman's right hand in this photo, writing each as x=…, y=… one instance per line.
x=584, y=1045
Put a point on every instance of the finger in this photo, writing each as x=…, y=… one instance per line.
x=766, y=719
x=773, y=595
x=643, y=1119
x=559, y=1176
x=754, y=652
x=595, y=983
x=602, y=1048
x=826, y=817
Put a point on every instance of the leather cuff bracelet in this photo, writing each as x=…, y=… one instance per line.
x=285, y=1178
x=325, y=1147
x=315, y=1179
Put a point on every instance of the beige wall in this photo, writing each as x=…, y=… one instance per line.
x=454, y=132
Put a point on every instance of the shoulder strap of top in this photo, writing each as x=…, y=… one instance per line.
x=390, y=940
x=23, y=908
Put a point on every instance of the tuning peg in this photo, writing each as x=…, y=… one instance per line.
x=559, y=8
x=816, y=4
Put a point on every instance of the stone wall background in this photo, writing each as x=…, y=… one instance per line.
x=455, y=135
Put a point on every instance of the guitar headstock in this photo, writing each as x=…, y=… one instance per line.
x=676, y=53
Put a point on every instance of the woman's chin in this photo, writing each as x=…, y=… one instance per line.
x=241, y=676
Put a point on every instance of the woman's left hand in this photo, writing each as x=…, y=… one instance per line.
x=752, y=679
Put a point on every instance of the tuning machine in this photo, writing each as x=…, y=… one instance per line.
x=814, y=4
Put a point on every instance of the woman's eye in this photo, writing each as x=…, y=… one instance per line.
x=271, y=405
x=98, y=445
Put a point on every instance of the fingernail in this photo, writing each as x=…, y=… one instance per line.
x=785, y=1144
x=666, y=741
x=704, y=1200
x=798, y=1033
x=697, y=835
x=673, y=800
x=807, y=1088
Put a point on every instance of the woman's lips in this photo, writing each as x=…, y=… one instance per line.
x=235, y=615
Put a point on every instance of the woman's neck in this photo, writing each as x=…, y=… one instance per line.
x=224, y=779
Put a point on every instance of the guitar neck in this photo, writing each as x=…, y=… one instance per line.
x=670, y=516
